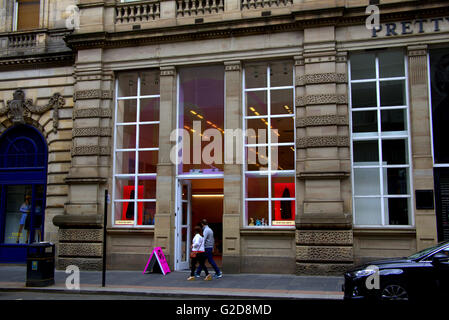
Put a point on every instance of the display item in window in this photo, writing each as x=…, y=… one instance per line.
x=25, y=209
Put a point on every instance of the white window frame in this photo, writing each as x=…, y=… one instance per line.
x=269, y=172
x=379, y=137
x=136, y=175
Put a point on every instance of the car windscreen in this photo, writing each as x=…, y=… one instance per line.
x=426, y=251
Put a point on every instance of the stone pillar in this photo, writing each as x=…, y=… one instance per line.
x=80, y=227
x=232, y=186
x=166, y=170
x=425, y=220
x=324, y=222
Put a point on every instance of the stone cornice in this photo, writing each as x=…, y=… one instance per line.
x=37, y=59
x=296, y=20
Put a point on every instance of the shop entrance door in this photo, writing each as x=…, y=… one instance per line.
x=183, y=224
x=23, y=177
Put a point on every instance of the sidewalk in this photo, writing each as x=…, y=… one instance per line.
x=174, y=284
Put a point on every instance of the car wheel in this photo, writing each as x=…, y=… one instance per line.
x=394, y=292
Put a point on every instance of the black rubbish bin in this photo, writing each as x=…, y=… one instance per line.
x=40, y=264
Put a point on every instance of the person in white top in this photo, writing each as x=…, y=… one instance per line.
x=197, y=255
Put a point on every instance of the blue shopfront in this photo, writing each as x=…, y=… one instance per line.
x=23, y=179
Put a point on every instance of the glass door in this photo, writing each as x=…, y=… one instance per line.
x=23, y=213
x=183, y=222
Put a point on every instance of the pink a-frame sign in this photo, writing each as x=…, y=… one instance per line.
x=157, y=256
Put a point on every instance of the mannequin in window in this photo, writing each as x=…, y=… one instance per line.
x=130, y=209
x=286, y=208
x=25, y=209
x=37, y=222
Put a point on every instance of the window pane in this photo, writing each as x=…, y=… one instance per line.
x=256, y=103
x=439, y=71
x=282, y=187
x=394, y=152
x=394, y=120
x=256, y=130
x=18, y=206
x=149, y=83
x=201, y=106
x=127, y=84
x=124, y=188
x=281, y=74
x=185, y=212
x=391, y=64
x=148, y=161
x=282, y=102
x=283, y=158
x=126, y=137
x=285, y=130
x=256, y=186
x=363, y=95
x=125, y=162
x=147, y=217
x=256, y=75
x=365, y=121
x=392, y=93
x=363, y=66
x=28, y=14
x=366, y=151
x=366, y=181
x=397, y=181
x=149, y=136
x=126, y=111
x=256, y=158
x=257, y=213
x=124, y=213
x=147, y=187
x=282, y=210
x=149, y=109
x=398, y=209
x=368, y=211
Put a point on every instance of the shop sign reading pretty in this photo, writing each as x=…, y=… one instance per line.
x=417, y=26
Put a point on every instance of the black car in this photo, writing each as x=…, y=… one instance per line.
x=424, y=275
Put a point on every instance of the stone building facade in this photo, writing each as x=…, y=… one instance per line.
x=359, y=125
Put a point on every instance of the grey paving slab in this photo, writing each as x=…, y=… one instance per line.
x=261, y=285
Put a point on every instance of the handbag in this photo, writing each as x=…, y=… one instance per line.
x=193, y=253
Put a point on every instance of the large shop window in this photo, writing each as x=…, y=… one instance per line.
x=380, y=139
x=269, y=169
x=136, y=147
x=201, y=118
x=27, y=14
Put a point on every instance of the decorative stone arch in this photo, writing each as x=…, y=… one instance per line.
x=20, y=110
x=7, y=123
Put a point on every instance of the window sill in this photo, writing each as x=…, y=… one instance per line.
x=127, y=230
x=384, y=230
x=268, y=231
